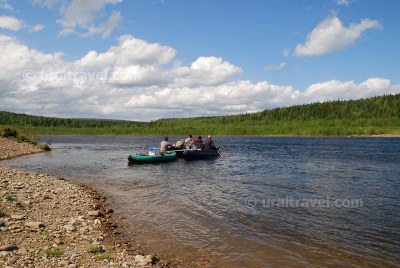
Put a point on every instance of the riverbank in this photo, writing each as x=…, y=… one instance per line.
x=46, y=221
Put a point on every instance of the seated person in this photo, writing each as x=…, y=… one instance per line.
x=209, y=145
x=198, y=140
x=165, y=145
x=187, y=142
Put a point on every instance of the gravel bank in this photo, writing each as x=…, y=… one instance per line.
x=47, y=221
x=10, y=148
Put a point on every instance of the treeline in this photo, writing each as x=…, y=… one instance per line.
x=8, y=118
x=377, y=115
x=377, y=107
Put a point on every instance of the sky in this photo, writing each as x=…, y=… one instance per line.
x=144, y=60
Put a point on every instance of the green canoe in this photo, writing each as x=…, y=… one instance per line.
x=156, y=158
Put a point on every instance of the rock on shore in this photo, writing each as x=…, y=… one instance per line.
x=47, y=221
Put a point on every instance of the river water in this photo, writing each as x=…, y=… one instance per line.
x=268, y=202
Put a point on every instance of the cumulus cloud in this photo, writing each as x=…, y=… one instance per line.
x=10, y=23
x=139, y=80
x=205, y=71
x=338, y=90
x=80, y=14
x=331, y=35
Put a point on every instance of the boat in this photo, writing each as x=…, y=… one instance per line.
x=192, y=154
x=152, y=158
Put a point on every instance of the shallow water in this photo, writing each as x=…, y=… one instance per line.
x=274, y=202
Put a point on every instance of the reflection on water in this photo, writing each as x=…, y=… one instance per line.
x=222, y=208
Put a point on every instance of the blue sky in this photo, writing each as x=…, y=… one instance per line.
x=150, y=59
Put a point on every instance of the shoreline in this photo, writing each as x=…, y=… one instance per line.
x=49, y=221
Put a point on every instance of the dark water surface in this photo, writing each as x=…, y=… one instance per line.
x=271, y=202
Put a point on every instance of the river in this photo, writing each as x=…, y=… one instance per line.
x=268, y=202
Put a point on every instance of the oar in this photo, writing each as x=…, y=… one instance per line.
x=223, y=157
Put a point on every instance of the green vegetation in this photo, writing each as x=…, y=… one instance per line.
x=54, y=252
x=373, y=116
x=9, y=197
x=104, y=255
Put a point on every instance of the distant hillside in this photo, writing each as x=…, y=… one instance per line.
x=378, y=115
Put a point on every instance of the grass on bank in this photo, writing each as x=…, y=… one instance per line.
x=317, y=127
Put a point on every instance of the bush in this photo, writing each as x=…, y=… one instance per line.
x=54, y=252
x=104, y=256
x=9, y=133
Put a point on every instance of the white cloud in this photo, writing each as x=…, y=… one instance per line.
x=136, y=51
x=343, y=2
x=106, y=28
x=331, y=35
x=80, y=15
x=275, y=67
x=5, y=5
x=137, y=75
x=36, y=28
x=10, y=23
x=205, y=71
x=334, y=89
x=129, y=51
x=133, y=80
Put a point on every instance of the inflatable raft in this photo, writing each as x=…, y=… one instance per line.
x=154, y=158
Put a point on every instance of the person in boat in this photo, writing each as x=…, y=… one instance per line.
x=188, y=141
x=198, y=140
x=165, y=145
x=197, y=143
x=209, y=144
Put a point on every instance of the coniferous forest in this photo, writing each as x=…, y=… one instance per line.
x=373, y=116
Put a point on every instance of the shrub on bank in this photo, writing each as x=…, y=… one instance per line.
x=9, y=133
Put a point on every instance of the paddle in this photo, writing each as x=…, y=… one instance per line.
x=223, y=156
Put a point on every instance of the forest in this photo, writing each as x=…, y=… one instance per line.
x=372, y=116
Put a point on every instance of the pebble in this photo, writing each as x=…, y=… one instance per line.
x=13, y=260
x=58, y=241
x=110, y=210
x=143, y=260
x=94, y=213
x=34, y=224
x=17, y=217
x=63, y=263
x=70, y=227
